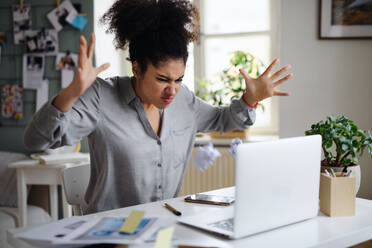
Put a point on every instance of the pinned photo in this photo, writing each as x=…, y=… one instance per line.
x=63, y=15
x=42, y=41
x=35, y=63
x=33, y=69
x=67, y=63
x=21, y=22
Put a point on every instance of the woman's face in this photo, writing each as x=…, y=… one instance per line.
x=159, y=85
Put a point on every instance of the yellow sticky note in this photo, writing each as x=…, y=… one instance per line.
x=164, y=238
x=131, y=223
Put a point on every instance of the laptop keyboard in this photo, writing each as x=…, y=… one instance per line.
x=227, y=224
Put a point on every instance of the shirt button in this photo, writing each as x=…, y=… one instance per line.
x=159, y=186
x=159, y=142
x=159, y=165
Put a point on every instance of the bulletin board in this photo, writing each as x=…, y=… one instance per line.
x=12, y=56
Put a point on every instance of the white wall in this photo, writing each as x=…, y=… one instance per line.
x=105, y=50
x=330, y=77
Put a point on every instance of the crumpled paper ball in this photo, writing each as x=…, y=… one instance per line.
x=233, y=146
x=205, y=156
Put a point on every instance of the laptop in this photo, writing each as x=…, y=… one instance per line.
x=276, y=184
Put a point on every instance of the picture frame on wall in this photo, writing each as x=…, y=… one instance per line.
x=345, y=19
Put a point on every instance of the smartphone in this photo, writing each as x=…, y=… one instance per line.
x=210, y=199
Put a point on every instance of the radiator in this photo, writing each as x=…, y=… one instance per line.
x=219, y=175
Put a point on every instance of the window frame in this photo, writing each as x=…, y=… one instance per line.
x=273, y=33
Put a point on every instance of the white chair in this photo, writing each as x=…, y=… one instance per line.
x=75, y=181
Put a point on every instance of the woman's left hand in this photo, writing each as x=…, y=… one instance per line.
x=265, y=85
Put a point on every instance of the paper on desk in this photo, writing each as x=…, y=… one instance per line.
x=64, y=158
x=164, y=237
x=205, y=156
x=131, y=223
x=45, y=235
x=106, y=230
x=185, y=236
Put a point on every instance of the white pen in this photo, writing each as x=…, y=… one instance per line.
x=348, y=174
x=327, y=172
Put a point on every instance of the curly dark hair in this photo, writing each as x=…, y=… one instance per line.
x=155, y=30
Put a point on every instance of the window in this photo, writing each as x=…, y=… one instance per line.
x=226, y=26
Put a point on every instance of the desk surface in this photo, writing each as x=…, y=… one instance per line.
x=322, y=231
x=35, y=164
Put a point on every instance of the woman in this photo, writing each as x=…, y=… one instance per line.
x=142, y=129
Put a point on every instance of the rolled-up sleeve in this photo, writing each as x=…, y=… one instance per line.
x=51, y=128
x=238, y=115
x=242, y=113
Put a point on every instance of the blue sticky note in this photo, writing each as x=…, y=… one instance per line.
x=79, y=22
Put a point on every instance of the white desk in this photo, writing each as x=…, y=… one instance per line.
x=31, y=172
x=321, y=231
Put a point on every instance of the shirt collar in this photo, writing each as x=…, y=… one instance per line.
x=126, y=90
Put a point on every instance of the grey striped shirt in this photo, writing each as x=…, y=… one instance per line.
x=130, y=164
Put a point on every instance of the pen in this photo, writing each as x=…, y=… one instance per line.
x=333, y=172
x=327, y=172
x=172, y=209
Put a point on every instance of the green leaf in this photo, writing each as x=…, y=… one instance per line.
x=329, y=144
x=354, y=128
x=347, y=161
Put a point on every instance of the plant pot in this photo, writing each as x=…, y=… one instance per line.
x=355, y=172
x=242, y=134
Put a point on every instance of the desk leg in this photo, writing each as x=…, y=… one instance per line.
x=53, y=196
x=67, y=210
x=22, y=198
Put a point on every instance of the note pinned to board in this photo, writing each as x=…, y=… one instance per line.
x=131, y=223
x=79, y=22
x=164, y=238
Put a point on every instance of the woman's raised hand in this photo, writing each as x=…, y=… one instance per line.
x=85, y=76
x=86, y=73
x=265, y=85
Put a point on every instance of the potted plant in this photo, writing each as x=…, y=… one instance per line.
x=231, y=84
x=343, y=144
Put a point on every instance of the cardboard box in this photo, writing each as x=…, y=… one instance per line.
x=337, y=195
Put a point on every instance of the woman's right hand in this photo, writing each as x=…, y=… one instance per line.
x=86, y=73
x=85, y=76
